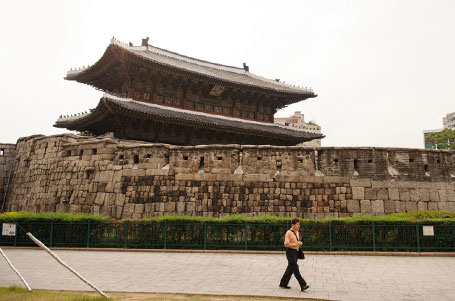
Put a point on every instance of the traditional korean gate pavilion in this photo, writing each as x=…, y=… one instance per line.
x=155, y=95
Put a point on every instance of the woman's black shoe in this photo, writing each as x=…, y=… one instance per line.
x=305, y=288
x=285, y=286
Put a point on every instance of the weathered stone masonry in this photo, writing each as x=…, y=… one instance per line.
x=6, y=158
x=130, y=179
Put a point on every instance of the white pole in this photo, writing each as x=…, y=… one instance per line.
x=42, y=246
x=15, y=270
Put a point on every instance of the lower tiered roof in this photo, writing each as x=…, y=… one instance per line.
x=135, y=120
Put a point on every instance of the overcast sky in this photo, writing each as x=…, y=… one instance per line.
x=384, y=71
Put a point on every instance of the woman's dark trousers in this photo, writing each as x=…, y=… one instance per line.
x=292, y=268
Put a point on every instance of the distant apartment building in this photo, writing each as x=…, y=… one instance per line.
x=448, y=122
x=297, y=121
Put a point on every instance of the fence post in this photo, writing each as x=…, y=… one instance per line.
x=52, y=232
x=330, y=235
x=418, y=237
x=165, y=234
x=374, y=236
x=205, y=235
x=127, y=223
x=88, y=234
x=246, y=235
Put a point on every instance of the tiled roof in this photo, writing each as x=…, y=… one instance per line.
x=207, y=69
x=186, y=117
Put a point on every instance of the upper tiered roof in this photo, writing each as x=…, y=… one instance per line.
x=153, y=57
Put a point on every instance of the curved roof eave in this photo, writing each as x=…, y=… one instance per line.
x=169, y=113
x=214, y=71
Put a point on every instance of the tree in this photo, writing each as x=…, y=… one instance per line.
x=442, y=140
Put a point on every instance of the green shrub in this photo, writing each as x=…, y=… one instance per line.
x=22, y=216
x=424, y=217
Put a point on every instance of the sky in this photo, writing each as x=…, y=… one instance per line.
x=383, y=70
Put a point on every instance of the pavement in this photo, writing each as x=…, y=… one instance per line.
x=332, y=277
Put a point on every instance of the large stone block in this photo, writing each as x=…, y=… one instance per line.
x=90, y=199
x=169, y=207
x=434, y=195
x=404, y=194
x=190, y=207
x=443, y=195
x=149, y=207
x=119, y=199
x=99, y=200
x=180, y=206
x=95, y=210
x=433, y=206
x=365, y=206
x=104, y=176
x=380, y=184
x=394, y=194
x=377, y=206
x=109, y=199
x=389, y=206
x=422, y=206
x=353, y=206
x=370, y=194
x=159, y=207
x=414, y=195
x=424, y=195
x=138, y=209
x=343, y=205
x=360, y=182
x=358, y=193
x=128, y=209
x=136, y=216
x=75, y=208
x=450, y=195
x=400, y=206
x=443, y=206
x=382, y=194
x=118, y=212
x=411, y=206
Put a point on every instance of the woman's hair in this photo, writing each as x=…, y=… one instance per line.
x=295, y=221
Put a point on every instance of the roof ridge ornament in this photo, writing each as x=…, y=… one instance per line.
x=145, y=42
x=246, y=67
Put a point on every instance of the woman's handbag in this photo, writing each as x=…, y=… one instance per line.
x=300, y=254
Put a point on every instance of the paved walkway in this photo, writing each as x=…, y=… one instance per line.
x=333, y=277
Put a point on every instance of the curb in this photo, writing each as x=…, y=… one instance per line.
x=349, y=253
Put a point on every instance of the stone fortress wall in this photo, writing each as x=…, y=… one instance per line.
x=132, y=179
x=6, y=160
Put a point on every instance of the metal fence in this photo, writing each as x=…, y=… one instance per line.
x=239, y=236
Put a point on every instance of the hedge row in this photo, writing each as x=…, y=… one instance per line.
x=433, y=217
x=423, y=217
x=52, y=216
